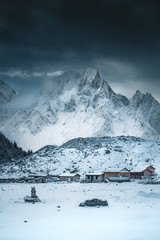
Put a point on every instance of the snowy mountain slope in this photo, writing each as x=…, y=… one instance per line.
x=88, y=155
x=82, y=105
x=7, y=95
x=146, y=111
x=6, y=92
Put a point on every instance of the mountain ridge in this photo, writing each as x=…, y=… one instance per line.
x=82, y=105
x=84, y=155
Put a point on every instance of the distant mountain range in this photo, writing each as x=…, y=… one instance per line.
x=78, y=105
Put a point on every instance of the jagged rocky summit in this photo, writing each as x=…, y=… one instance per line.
x=82, y=105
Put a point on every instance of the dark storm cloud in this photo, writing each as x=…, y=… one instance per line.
x=57, y=34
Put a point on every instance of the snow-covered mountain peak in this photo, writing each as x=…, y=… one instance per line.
x=140, y=99
x=91, y=77
x=138, y=96
x=92, y=85
x=91, y=73
x=82, y=105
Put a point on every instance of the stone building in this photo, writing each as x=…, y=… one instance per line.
x=69, y=177
x=94, y=177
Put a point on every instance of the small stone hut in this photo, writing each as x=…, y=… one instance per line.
x=69, y=177
x=94, y=177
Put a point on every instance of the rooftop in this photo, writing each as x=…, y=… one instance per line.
x=68, y=174
x=138, y=168
x=94, y=174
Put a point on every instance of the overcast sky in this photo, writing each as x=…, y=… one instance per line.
x=121, y=38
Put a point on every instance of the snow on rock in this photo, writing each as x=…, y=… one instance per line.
x=87, y=155
x=82, y=105
x=94, y=202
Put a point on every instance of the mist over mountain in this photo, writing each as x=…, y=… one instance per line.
x=6, y=92
x=81, y=105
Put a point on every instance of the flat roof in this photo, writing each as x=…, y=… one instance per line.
x=94, y=174
x=117, y=170
x=68, y=174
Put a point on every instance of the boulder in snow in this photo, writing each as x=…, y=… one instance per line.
x=94, y=202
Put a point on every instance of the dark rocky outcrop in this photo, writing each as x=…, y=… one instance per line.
x=94, y=202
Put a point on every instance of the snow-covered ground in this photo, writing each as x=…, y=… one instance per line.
x=132, y=214
x=85, y=155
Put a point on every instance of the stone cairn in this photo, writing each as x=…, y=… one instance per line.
x=33, y=198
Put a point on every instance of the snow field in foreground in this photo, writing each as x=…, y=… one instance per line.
x=133, y=212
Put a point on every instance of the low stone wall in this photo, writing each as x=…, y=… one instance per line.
x=89, y=181
x=29, y=180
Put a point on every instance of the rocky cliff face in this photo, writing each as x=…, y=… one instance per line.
x=6, y=93
x=82, y=105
